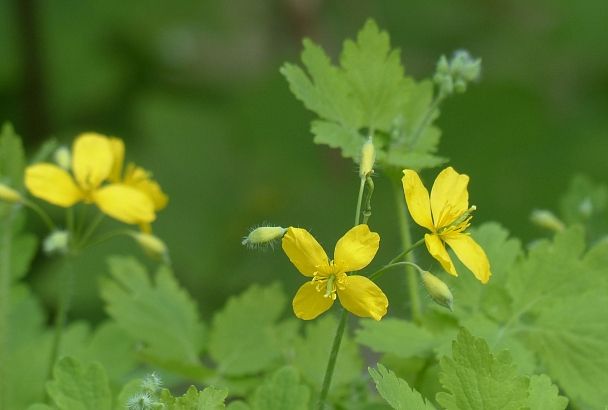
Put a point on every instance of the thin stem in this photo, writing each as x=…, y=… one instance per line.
x=5, y=288
x=408, y=250
x=43, y=215
x=65, y=296
x=108, y=236
x=406, y=240
x=379, y=272
x=428, y=116
x=359, y=201
x=331, y=363
x=333, y=356
x=91, y=229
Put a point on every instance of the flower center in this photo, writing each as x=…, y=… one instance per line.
x=459, y=224
x=329, y=280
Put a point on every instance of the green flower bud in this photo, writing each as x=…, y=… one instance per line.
x=58, y=242
x=443, y=67
x=437, y=290
x=8, y=194
x=368, y=157
x=152, y=246
x=63, y=158
x=546, y=219
x=264, y=235
x=460, y=86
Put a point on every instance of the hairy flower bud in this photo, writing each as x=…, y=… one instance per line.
x=264, y=235
x=546, y=219
x=437, y=290
x=368, y=157
x=8, y=194
x=454, y=75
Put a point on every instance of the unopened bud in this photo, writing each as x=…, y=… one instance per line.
x=437, y=290
x=151, y=245
x=63, y=158
x=546, y=219
x=264, y=235
x=443, y=67
x=58, y=242
x=151, y=384
x=585, y=208
x=368, y=157
x=8, y=194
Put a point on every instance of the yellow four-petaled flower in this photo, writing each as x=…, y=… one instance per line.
x=354, y=251
x=132, y=198
x=446, y=214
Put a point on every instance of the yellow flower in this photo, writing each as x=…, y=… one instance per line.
x=446, y=214
x=93, y=161
x=354, y=251
x=136, y=177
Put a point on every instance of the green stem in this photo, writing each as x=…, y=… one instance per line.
x=65, y=295
x=379, y=272
x=43, y=215
x=406, y=240
x=333, y=356
x=359, y=201
x=426, y=120
x=90, y=229
x=331, y=362
x=5, y=288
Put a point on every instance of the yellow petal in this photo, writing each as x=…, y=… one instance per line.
x=139, y=178
x=449, y=197
x=363, y=298
x=304, y=251
x=117, y=146
x=471, y=254
x=356, y=249
x=437, y=250
x=417, y=199
x=92, y=160
x=125, y=203
x=53, y=184
x=309, y=302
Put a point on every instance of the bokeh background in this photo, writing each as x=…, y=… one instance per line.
x=194, y=89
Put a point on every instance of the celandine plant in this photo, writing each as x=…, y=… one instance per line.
x=526, y=329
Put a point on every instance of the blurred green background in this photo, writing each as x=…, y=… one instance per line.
x=194, y=89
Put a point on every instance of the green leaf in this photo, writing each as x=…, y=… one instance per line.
x=396, y=391
x=76, y=387
x=12, y=158
x=476, y=379
x=471, y=297
x=545, y=395
x=368, y=91
x=310, y=354
x=395, y=336
x=282, y=391
x=244, y=337
x=157, y=313
x=569, y=337
x=586, y=203
x=414, y=138
x=211, y=398
x=375, y=76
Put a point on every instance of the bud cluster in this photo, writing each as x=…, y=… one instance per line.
x=453, y=75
